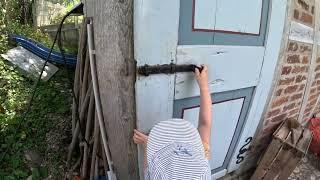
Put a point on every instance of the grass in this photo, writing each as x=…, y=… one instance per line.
x=46, y=128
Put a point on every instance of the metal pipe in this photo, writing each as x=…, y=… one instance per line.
x=111, y=175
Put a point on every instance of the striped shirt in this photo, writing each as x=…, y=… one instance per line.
x=175, y=152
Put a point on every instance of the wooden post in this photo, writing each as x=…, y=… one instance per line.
x=116, y=69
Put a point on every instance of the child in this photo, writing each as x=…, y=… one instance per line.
x=175, y=149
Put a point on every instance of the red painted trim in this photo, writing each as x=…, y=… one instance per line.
x=192, y=107
x=193, y=13
x=223, y=31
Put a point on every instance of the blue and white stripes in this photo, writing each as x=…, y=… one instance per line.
x=175, y=151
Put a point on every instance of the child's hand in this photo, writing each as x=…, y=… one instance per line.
x=140, y=138
x=202, y=78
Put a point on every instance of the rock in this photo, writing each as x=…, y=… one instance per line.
x=304, y=160
x=33, y=158
x=296, y=170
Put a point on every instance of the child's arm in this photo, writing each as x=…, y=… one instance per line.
x=205, y=118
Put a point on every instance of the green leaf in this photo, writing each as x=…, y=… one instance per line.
x=35, y=174
x=43, y=172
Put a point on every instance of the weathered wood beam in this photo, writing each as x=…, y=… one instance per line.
x=116, y=69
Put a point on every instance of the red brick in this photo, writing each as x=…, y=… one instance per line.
x=313, y=102
x=296, y=96
x=293, y=59
x=302, y=87
x=305, y=48
x=278, y=92
x=305, y=60
x=279, y=101
x=291, y=89
x=286, y=81
x=306, y=18
x=293, y=116
x=293, y=46
x=273, y=113
x=313, y=90
x=299, y=69
x=315, y=96
x=286, y=70
x=317, y=76
x=318, y=82
x=294, y=111
x=307, y=114
x=300, y=78
x=278, y=118
x=307, y=110
x=289, y=107
x=313, y=83
x=318, y=60
x=318, y=88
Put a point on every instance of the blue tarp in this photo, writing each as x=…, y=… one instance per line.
x=43, y=51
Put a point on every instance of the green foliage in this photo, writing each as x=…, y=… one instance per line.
x=52, y=100
x=73, y=19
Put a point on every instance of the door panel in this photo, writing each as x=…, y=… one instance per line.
x=223, y=22
x=228, y=36
x=204, y=11
x=229, y=112
x=239, y=16
x=230, y=67
x=220, y=15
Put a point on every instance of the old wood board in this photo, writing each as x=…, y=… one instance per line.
x=113, y=41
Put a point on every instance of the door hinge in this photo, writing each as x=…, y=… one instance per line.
x=172, y=68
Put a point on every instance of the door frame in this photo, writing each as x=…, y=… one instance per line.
x=155, y=94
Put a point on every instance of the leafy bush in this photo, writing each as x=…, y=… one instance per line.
x=51, y=103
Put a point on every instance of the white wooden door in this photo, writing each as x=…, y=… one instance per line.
x=230, y=36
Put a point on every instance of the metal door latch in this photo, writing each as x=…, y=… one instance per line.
x=172, y=68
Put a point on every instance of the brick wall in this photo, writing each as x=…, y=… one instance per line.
x=290, y=96
x=289, y=90
x=313, y=92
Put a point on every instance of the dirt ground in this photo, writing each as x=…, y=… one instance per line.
x=308, y=169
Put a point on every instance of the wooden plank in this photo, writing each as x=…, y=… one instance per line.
x=282, y=165
x=304, y=142
x=242, y=74
x=154, y=43
x=278, y=164
x=290, y=165
x=267, y=159
x=113, y=37
x=272, y=152
x=30, y=64
x=282, y=131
